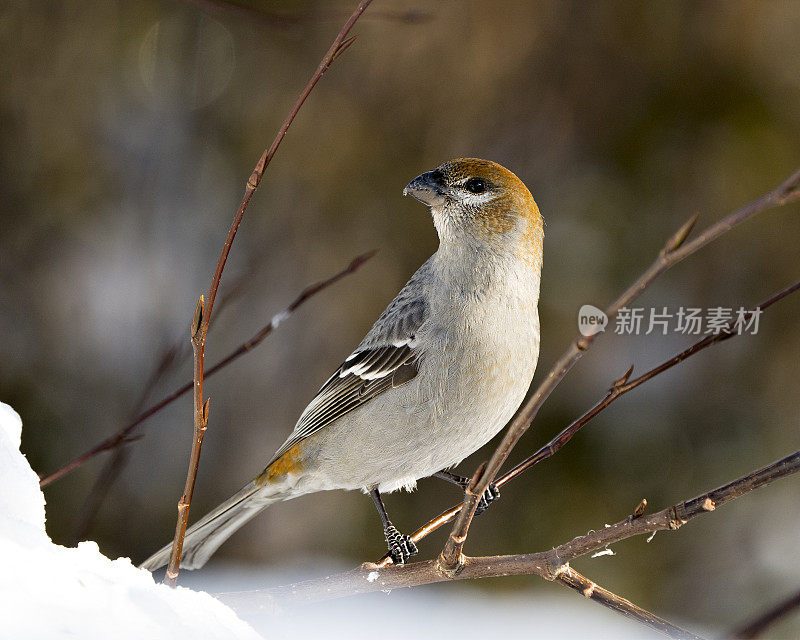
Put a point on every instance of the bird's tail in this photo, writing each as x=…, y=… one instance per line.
x=204, y=538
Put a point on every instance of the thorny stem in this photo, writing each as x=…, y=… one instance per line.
x=675, y=250
x=199, y=326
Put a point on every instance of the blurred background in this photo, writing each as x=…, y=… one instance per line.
x=128, y=130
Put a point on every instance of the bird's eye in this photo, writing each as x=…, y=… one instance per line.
x=475, y=185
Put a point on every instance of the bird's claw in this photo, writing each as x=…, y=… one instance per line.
x=401, y=547
x=491, y=494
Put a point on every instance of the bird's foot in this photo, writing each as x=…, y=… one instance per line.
x=491, y=494
x=401, y=547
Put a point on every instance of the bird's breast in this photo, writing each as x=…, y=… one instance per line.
x=481, y=357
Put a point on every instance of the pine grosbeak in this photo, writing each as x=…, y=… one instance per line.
x=442, y=370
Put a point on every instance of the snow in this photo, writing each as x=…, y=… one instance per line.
x=50, y=591
x=21, y=501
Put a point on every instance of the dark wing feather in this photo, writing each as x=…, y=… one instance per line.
x=364, y=375
x=387, y=357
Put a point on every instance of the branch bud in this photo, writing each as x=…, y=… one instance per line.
x=681, y=234
x=622, y=380
x=198, y=318
x=343, y=47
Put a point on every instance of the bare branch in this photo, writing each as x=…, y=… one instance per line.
x=124, y=435
x=618, y=388
x=170, y=358
x=549, y=565
x=199, y=327
x=286, y=19
x=756, y=626
x=197, y=332
x=97, y=495
x=675, y=250
x=676, y=516
x=269, y=153
x=592, y=591
x=367, y=578
x=278, y=318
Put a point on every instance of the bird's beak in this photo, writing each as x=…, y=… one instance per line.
x=428, y=188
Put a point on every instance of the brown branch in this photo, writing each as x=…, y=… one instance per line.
x=549, y=564
x=170, y=357
x=369, y=578
x=124, y=435
x=675, y=250
x=676, y=516
x=202, y=315
x=97, y=495
x=277, y=319
x=592, y=591
x=618, y=388
x=197, y=332
x=366, y=578
x=756, y=627
x=622, y=386
x=285, y=19
x=340, y=44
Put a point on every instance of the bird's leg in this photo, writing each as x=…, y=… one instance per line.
x=401, y=547
x=491, y=494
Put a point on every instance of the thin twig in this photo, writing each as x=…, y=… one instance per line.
x=170, y=358
x=202, y=315
x=197, y=333
x=278, y=318
x=618, y=388
x=675, y=250
x=755, y=627
x=623, y=385
x=97, y=495
x=124, y=435
x=285, y=19
x=592, y=591
x=370, y=577
x=679, y=514
x=340, y=44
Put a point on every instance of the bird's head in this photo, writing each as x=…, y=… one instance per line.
x=480, y=201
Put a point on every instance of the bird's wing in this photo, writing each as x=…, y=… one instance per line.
x=387, y=357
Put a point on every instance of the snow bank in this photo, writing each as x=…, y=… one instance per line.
x=50, y=591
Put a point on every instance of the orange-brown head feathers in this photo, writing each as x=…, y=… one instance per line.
x=481, y=200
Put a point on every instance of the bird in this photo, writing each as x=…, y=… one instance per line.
x=442, y=370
